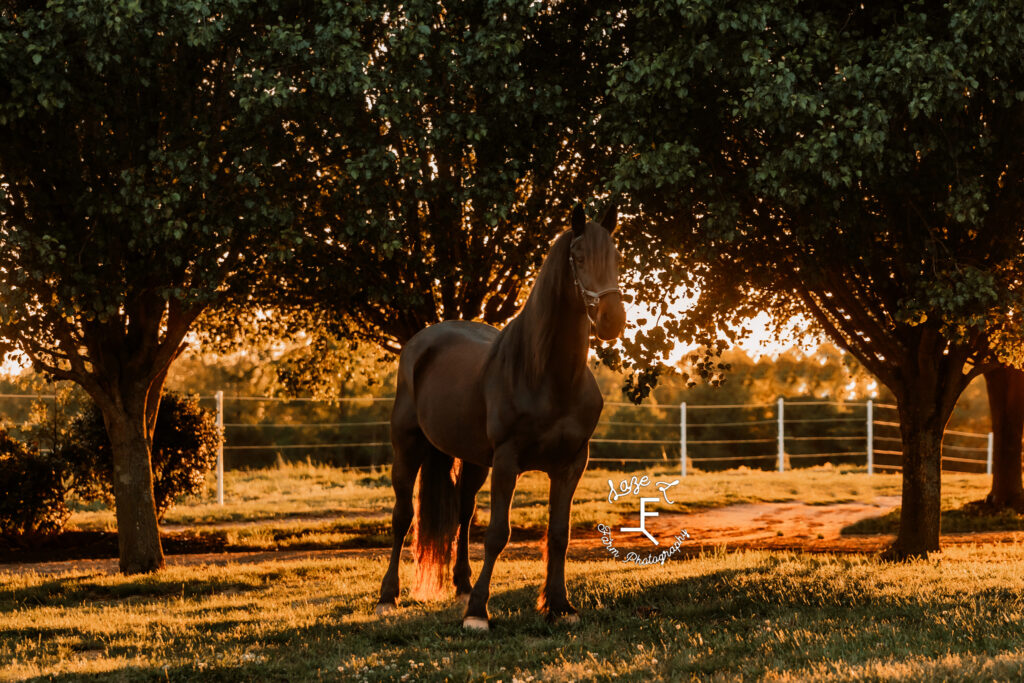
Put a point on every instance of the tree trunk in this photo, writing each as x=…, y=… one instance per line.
x=922, y=486
x=1006, y=404
x=138, y=534
x=925, y=401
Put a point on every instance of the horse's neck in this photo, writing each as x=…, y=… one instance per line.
x=571, y=336
x=554, y=338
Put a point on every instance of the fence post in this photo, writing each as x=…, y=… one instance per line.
x=782, y=436
x=988, y=455
x=682, y=436
x=56, y=417
x=220, y=448
x=871, y=436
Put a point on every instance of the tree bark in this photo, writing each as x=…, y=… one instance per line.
x=1005, y=387
x=922, y=483
x=929, y=387
x=138, y=532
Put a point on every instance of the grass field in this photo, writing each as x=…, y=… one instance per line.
x=304, y=505
x=753, y=615
x=719, y=616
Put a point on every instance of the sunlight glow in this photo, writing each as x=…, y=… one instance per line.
x=13, y=366
x=795, y=336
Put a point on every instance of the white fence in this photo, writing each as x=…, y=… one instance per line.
x=864, y=442
x=776, y=435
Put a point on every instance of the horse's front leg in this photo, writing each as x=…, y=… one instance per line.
x=504, y=475
x=554, y=600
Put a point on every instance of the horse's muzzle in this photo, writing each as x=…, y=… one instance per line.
x=610, y=320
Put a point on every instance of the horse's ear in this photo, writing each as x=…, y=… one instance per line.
x=578, y=220
x=610, y=220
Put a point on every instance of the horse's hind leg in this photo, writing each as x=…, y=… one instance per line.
x=410, y=449
x=471, y=479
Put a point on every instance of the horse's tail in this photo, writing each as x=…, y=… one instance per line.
x=437, y=523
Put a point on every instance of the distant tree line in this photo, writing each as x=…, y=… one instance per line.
x=270, y=431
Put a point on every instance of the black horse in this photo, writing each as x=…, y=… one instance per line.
x=471, y=398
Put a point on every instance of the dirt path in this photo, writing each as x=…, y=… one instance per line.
x=790, y=526
x=774, y=526
x=793, y=522
x=767, y=526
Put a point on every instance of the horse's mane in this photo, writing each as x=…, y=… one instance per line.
x=525, y=344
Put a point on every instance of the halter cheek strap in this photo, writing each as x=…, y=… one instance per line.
x=589, y=297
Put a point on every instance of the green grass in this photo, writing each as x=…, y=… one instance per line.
x=294, y=490
x=960, y=512
x=752, y=615
x=964, y=519
x=748, y=615
x=310, y=506
x=309, y=491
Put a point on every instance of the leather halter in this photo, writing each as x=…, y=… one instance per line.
x=589, y=297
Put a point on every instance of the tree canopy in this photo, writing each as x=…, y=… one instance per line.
x=149, y=168
x=384, y=166
x=860, y=164
x=473, y=142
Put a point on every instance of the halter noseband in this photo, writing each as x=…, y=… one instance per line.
x=590, y=298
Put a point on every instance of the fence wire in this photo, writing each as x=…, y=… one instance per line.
x=355, y=432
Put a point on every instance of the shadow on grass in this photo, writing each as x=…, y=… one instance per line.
x=83, y=592
x=102, y=545
x=976, y=516
x=328, y=647
x=783, y=612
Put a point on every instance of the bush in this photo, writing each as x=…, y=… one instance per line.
x=184, y=450
x=32, y=494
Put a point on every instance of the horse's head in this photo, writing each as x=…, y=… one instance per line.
x=595, y=269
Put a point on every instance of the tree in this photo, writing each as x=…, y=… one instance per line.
x=149, y=169
x=861, y=164
x=1005, y=387
x=475, y=140
x=183, y=452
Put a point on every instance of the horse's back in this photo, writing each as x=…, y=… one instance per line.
x=440, y=388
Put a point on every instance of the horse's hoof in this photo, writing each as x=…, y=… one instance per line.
x=475, y=624
x=385, y=609
x=570, y=619
x=462, y=599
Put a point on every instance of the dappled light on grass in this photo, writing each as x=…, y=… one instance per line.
x=963, y=519
x=294, y=490
x=303, y=506
x=288, y=490
x=755, y=615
